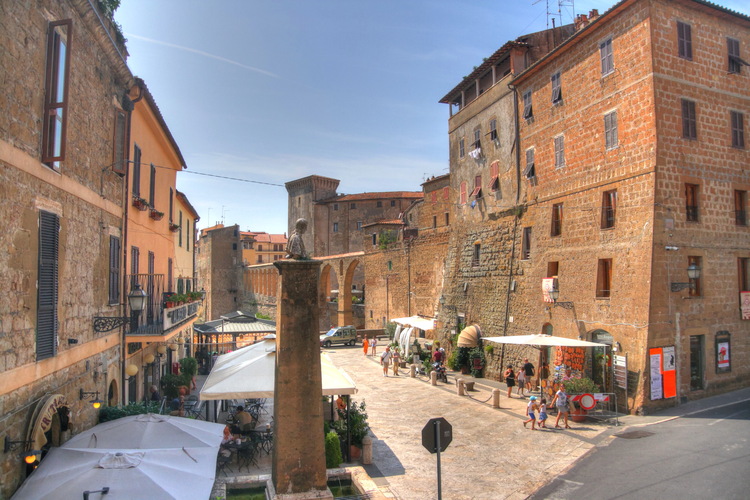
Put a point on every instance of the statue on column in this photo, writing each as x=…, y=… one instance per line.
x=295, y=247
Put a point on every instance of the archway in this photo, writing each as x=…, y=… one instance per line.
x=352, y=278
x=112, y=394
x=601, y=361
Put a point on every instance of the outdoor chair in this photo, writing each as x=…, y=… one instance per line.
x=246, y=455
x=222, y=464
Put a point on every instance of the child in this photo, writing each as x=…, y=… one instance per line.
x=543, y=414
x=396, y=360
x=521, y=377
x=530, y=412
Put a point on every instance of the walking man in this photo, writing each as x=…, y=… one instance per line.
x=528, y=369
x=385, y=360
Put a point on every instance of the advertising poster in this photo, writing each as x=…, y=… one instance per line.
x=655, y=358
x=668, y=373
x=745, y=304
x=722, y=353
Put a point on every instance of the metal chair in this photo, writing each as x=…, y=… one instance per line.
x=246, y=455
x=222, y=464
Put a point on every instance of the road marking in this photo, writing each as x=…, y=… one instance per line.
x=727, y=417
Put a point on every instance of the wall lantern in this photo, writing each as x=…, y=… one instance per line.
x=173, y=346
x=29, y=456
x=96, y=402
x=180, y=340
x=694, y=272
x=203, y=293
x=554, y=294
x=149, y=358
x=161, y=350
x=136, y=300
x=131, y=370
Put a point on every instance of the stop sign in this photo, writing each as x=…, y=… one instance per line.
x=430, y=433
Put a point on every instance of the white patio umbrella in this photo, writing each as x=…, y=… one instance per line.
x=129, y=474
x=417, y=322
x=250, y=372
x=149, y=431
x=543, y=340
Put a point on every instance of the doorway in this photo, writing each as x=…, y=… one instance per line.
x=696, y=362
x=601, y=365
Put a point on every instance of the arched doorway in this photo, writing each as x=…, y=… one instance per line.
x=601, y=360
x=112, y=394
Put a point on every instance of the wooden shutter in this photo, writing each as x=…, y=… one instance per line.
x=46, y=319
x=114, y=270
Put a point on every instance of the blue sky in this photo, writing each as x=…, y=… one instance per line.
x=271, y=91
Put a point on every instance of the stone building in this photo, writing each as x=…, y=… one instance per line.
x=259, y=247
x=609, y=193
x=335, y=221
x=220, y=269
x=62, y=161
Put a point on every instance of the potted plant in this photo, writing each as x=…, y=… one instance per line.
x=155, y=214
x=171, y=301
x=174, y=227
x=576, y=386
x=358, y=427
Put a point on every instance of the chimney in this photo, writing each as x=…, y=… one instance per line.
x=581, y=21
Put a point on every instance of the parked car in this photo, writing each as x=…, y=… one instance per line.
x=346, y=335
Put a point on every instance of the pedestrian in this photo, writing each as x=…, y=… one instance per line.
x=396, y=360
x=528, y=368
x=561, y=403
x=155, y=393
x=437, y=354
x=530, y=413
x=385, y=360
x=510, y=379
x=521, y=376
x=543, y=414
x=365, y=345
x=374, y=345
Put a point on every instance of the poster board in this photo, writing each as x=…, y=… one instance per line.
x=621, y=371
x=723, y=351
x=655, y=371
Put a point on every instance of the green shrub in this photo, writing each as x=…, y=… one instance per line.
x=476, y=352
x=333, y=450
x=452, y=361
x=358, y=419
x=581, y=385
x=171, y=383
x=189, y=366
x=108, y=413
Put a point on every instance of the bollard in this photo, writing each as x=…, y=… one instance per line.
x=413, y=371
x=496, y=398
x=461, y=387
x=433, y=377
x=415, y=359
x=367, y=450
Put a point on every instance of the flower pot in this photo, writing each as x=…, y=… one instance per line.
x=578, y=415
x=355, y=452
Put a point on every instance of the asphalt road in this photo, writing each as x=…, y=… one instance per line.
x=703, y=455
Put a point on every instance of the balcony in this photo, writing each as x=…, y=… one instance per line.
x=156, y=320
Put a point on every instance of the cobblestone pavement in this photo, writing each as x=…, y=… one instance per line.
x=492, y=455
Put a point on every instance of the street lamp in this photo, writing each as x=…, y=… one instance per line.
x=136, y=300
x=694, y=272
x=96, y=402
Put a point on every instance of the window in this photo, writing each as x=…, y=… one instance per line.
x=335, y=227
x=335, y=207
x=380, y=204
x=393, y=203
x=526, y=244
x=56, y=94
x=171, y=204
x=740, y=204
x=234, y=246
x=447, y=219
x=494, y=175
x=606, y=56
x=179, y=234
x=689, y=130
x=260, y=248
x=559, y=151
x=119, y=153
x=553, y=269
x=476, y=254
x=493, y=131
x=352, y=206
x=359, y=225
x=462, y=199
x=477, y=187
x=446, y=193
x=114, y=270
x=529, y=172
x=604, y=279
x=610, y=130
x=461, y=148
x=188, y=235
x=684, y=41
x=47, y=286
x=743, y=264
x=260, y=259
x=477, y=139
x=609, y=208
x=733, y=52
x=691, y=202
x=695, y=283
x=556, y=88
x=152, y=187
x=738, y=129
x=434, y=221
x=528, y=111
x=557, y=217
x=433, y=197
x=135, y=257
x=136, y=170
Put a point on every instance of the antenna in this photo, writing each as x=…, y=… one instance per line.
x=559, y=13
x=223, y=210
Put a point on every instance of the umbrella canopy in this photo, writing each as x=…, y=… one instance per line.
x=469, y=336
x=149, y=431
x=417, y=322
x=250, y=372
x=129, y=474
x=542, y=340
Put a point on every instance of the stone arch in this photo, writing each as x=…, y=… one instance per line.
x=113, y=394
x=345, y=296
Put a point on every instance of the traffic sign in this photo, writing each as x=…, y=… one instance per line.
x=430, y=434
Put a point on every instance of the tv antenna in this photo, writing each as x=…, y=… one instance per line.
x=559, y=13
